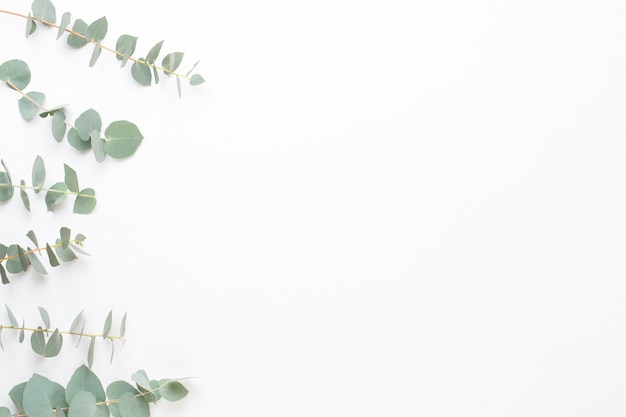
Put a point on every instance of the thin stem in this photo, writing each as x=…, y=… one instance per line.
x=71, y=32
x=26, y=252
x=30, y=329
x=77, y=194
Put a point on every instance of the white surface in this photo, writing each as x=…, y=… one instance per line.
x=370, y=208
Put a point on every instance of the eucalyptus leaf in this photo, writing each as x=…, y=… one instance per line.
x=33, y=237
x=3, y=250
x=83, y=404
x=31, y=26
x=115, y=391
x=97, y=50
x=83, y=379
x=76, y=320
x=65, y=237
x=5, y=278
x=74, y=139
x=171, y=62
x=41, y=396
x=13, y=264
x=30, y=104
x=141, y=72
x=172, y=390
x=24, y=196
x=87, y=122
x=38, y=341
x=153, y=54
x=44, y=10
x=65, y=21
x=71, y=179
x=21, y=255
x=58, y=126
x=133, y=406
x=17, y=394
x=122, y=139
x=107, y=325
x=196, y=79
x=52, y=258
x=36, y=263
x=85, y=201
x=15, y=73
x=38, y=173
x=92, y=344
x=126, y=47
x=97, y=146
x=12, y=318
x=65, y=255
x=54, y=344
x=56, y=195
x=80, y=27
x=97, y=30
x=6, y=187
x=141, y=379
x=45, y=317
x=5, y=412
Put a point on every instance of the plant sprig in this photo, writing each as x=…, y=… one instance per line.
x=84, y=395
x=82, y=34
x=85, y=199
x=48, y=342
x=16, y=259
x=121, y=137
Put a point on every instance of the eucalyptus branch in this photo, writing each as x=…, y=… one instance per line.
x=84, y=202
x=48, y=343
x=17, y=259
x=121, y=138
x=82, y=34
x=84, y=395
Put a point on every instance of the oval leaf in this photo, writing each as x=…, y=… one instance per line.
x=122, y=139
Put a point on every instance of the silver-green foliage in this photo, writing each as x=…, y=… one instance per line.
x=47, y=341
x=85, y=396
x=120, y=139
x=84, y=199
x=15, y=259
x=143, y=70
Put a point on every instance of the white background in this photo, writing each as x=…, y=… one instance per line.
x=370, y=208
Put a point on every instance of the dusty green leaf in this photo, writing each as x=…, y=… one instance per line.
x=45, y=317
x=107, y=325
x=6, y=187
x=178, y=87
x=38, y=173
x=84, y=379
x=132, y=406
x=66, y=235
x=141, y=72
x=87, y=122
x=74, y=139
x=65, y=21
x=115, y=391
x=196, y=79
x=33, y=237
x=97, y=50
x=13, y=264
x=3, y=274
x=5, y=412
x=30, y=104
x=35, y=262
x=85, y=201
x=71, y=179
x=41, y=396
x=54, y=262
x=38, y=341
x=97, y=30
x=122, y=139
x=172, y=390
x=126, y=47
x=58, y=126
x=15, y=72
x=12, y=318
x=21, y=255
x=54, y=344
x=141, y=379
x=44, y=10
x=64, y=255
x=31, y=26
x=83, y=404
x=92, y=345
x=76, y=320
x=17, y=394
x=24, y=196
x=97, y=146
x=153, y=54
x=56, y=195
x=80, y=27
x=171, y=62
x=123, y=326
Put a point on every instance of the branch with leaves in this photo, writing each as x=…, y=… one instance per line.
x=85, y=396
x=85, y=199
x=121, y=138
x=48, y=342
x=17, y=259
x=82, y=34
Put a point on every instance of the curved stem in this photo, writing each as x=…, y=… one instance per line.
x=31, y=329
x=71, y=32
x=29, y=187
x=26, y=252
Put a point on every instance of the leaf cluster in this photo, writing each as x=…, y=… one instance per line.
x=48, y=342
x=120, y=139
x=15, y=259
x=85, y=396
x=143, y=70
x=84, y=201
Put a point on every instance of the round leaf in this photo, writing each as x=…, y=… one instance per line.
x=15, y=72
x=122, y=139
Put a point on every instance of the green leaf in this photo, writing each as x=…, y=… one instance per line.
x=76, y=320
x=97, y=146
x=6, y=187
x=87, y=122
x=178, y=87
x=15, y=72
x=12, y=318
x=65, y=21
x=36, y=263
x=141, y=379
x=107, y=325
x=17, y=395
x=83, y=404
x=5, y=278
x=14, y=265
x=123, y=326
x=154, y=53
x=80, y=27
x=31, y=26
x=38, y=341
x=65, y=237
x=58, y=126
x=71, y=179
x=65, y=255
x=54, y=262
x=22, y=257
x=82, y=380
x=171, y=62
x=45, y=317
x=97, y=30
x=56, y=195
x=172, y=390
x=141, y=72
x=115, y=391
x=24, y=196
x=85, y=201
x=126, y=47
x=74, y=139
x=33, y=238
x=156, y=74
x=80, y=238
x=92, y=344
x=3, y=250
x=41, y=396
x=38, y=174
x=196, y=79
x=44, y=10
x=97, y=50
x=5, y=412
x=54, y=345
x=132, y=406
x=50, y=112
x=122, y=139
x=59, y=412
x=21, y=338
x=29, y=106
